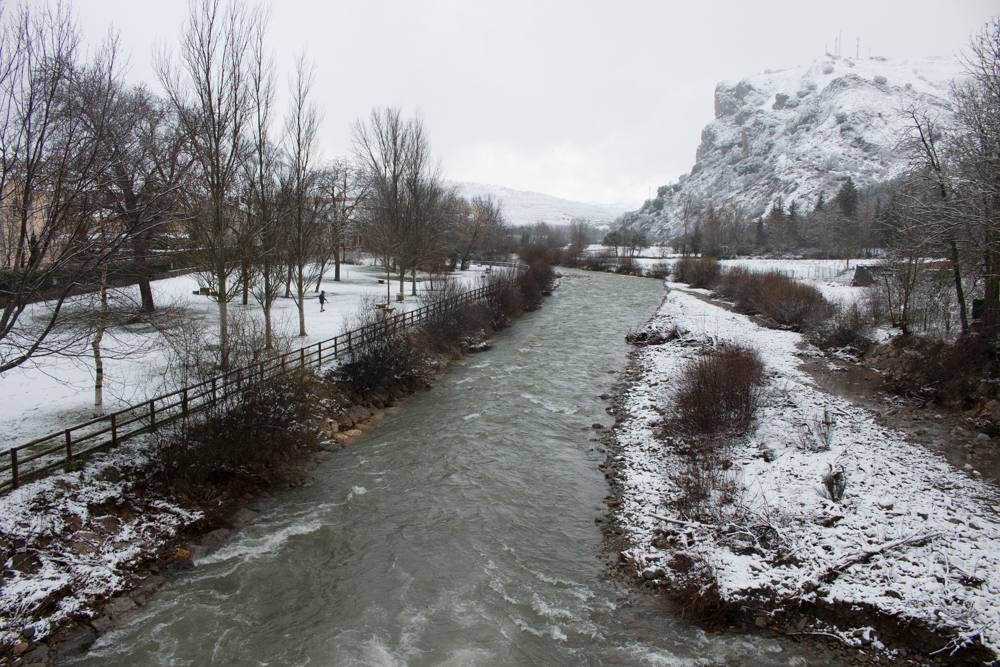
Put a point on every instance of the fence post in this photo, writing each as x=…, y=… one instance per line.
x=184, y=403
x=152, y=415
x=69, y=445
x=302, y=357
x=319, y=354
x=215, y=397
x=13, y=468
x=350, y=345
x=336, y=345
x=114, y=429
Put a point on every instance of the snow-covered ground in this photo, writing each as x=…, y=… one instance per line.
x=77, y=538
x=832, y=277
x=54, y=392
x=948, y=578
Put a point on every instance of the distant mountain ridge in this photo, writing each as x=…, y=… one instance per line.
x=526, y=208
x=800, y=132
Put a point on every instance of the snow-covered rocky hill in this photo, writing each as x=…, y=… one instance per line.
x=799, y=132
x=527, y=208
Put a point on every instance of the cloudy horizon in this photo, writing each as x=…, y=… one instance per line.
x=584, y=101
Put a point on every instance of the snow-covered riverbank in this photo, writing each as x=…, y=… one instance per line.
x=913, y=546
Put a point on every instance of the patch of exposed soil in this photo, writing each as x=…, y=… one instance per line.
x=945, y=432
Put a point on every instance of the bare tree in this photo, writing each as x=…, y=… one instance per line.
x=210, y=94
x=380, y=145
x=146, y=184
x=262, y=186
x=485, y=220
x=302, y=225
x=947, y=217
x=345, y=188
x=977, y=157
x=54, y=115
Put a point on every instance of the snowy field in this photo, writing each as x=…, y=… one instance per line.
x=832, y=277
x=54, y=392
x=936, y=528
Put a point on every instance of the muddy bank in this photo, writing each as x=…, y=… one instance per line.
x=960, y=439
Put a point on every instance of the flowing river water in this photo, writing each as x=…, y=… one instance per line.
x=460, y=532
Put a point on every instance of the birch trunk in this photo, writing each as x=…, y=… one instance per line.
x=96, y=346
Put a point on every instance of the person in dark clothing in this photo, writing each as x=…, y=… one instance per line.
x=322, y=301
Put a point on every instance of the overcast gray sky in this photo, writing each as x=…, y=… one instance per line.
x=595, y=101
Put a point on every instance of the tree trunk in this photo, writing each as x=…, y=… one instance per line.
x=146, y=295
x=991, y=294
x=143, y=274
x=266, y=302
x=322, y=271
x=336, y=264
x=300, y=287
x=268, y=332
x=96, y=346
x=221, y=287
x=956, y=269
x=402, y=283
x=245, y=283
x=413, y=282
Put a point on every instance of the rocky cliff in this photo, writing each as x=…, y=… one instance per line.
x=800, y=132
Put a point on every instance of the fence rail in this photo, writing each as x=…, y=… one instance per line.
x=52, y=452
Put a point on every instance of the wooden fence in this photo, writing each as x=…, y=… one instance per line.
x=53, y=452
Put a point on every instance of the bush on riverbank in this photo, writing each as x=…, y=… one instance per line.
x=719, y=392
x=716, y=402
x=251, y=436
x=773, y=295
x=846, y=328
x=446, y=328
x=503, y=300
x=701, y=272
x=535, y=283
x=660, y=271
x=381, y=357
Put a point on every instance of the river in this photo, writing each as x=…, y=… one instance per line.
x=460, y=532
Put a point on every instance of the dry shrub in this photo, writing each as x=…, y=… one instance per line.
x=535, y=283
x=847, y=328
x=504, y=299
x=773, y=295
x=445, y=327
x=381, y=358
x=601, y=261
x=697, y=271
x=694, y=589
x=660, y=270
x=250, y=438
x=957, y=375
x=720, y=392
